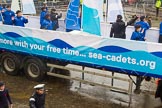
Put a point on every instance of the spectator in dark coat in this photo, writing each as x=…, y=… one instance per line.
x=118, y=28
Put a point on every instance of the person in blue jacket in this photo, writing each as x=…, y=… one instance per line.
x=1, y=13
x=160, y=33
x=19, y=20
x=144, y=25
x=42, y=15
x=8, y=16
x=137, y=34
x=47, y=23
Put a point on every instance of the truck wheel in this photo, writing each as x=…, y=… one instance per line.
x=10, y=64
x=35, y=69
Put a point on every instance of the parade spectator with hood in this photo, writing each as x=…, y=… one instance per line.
x=118, y=28
x=19, y=20
x=8, y=16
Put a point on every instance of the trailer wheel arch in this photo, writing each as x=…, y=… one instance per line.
x=35, y=69
x=10, y=63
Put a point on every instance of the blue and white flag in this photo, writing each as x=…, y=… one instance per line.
x=72, y=18
x=114, y=8
x=92, y=16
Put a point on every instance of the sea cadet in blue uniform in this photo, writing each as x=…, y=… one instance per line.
x=42, y=15
x=5, y=100
x=47, y=23
x=144, y=25
x=137, y=34
x=8, y=16
x=19, y=20
x=37, y=100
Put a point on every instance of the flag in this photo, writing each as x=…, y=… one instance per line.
x=73, y=16
x=92, y=14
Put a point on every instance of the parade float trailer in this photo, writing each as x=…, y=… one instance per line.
x=35, y=50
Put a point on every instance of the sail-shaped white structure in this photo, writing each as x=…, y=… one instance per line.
x=26, y=6
x=15, y=5
x=114, y=8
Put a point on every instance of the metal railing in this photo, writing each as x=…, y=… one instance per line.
x=82, y=79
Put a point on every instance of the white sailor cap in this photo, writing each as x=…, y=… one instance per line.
x=39, y=86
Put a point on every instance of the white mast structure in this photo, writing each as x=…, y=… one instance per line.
x=26, y=6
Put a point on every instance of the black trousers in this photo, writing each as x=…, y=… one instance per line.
x=160, y=39
x=157, y=12
x=5, y=106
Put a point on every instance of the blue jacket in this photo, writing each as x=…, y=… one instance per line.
x=137, y=36
x=42, y=16
x=20, y=21
x=7, y=16
x=160, y=31
x=144, y=25
x=0, y=15
x=47, y=24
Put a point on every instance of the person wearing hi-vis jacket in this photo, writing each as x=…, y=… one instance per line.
x=157, y=5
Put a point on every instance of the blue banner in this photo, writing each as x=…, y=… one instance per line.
x=73, y=16
x=126, y=56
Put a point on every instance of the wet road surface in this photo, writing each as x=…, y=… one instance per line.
x=58, y=95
